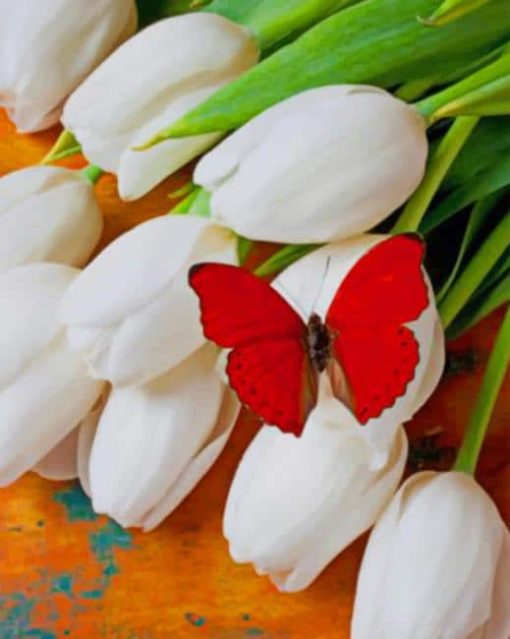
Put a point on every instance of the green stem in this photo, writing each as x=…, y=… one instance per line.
x=497, y=366
x=473, y=95
x=439, y=163
x=475, y=272
x=283, y=258
x=414, y=89
x=91, y=173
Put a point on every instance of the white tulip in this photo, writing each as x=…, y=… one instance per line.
x=131, y=312
x=47, y=47
x=47, y=214
x=155, y=442
x=318, y=167
x=295, y=503
x=44, y=389
x=149, y=82
x=437, y=565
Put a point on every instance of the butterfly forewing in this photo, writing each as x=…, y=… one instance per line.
x=268, y=367
x=377, y=353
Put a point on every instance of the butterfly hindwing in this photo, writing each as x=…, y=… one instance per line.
x=378, y=354
x=268, y=365
x=378, y=365
x=275, y=379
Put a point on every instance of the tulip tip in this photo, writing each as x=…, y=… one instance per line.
x=430, y=21
x=156, y=139
x=427, y=22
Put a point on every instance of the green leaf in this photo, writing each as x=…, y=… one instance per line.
x=488, y=145
x=477, y=218
x=273, y=21
x=283, y=258
x=452, y=10
x=65, y=146
x=377, y=41
x=500, y=270
x=237, y=10
x=493, y=179
x=480, y=307
x=478, y=268
x=484, y=92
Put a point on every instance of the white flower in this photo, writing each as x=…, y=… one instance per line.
x=320, y=166
x=295, y=503
x=47, y=47
x=131, y=312
x=44, y=389
x=47, y=214
x=437, y=565
x=149, y=82
x=155, y=442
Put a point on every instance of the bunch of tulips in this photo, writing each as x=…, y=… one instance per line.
x=323, y=126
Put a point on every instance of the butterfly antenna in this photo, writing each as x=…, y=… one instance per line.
x=324, y=276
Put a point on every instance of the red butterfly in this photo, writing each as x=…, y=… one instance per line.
x=276, y=358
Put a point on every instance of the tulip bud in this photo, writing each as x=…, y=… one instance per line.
x=155, y=442
x=44, y=389
x=295, y=503
x=148, y=83
x=47, y=214
x=131, y=312
x=47, y=47
x=437, y=565
x=320, y=166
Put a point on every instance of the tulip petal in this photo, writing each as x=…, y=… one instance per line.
x=198, y=466
x=340, y=496
x=131, y=313
x=404, y=589
x=61, y=462
x=151, y=81
x=360, y=519
x=147, y=435
x=360, y=152
x=28, y=323
x=60, y=395
x=376, y=564
x=86, y=434
x=56, y=219
x=139, y=172
x=498, y=626
x=37, y=69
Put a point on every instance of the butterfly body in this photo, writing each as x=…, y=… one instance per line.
x=363, y=343
x=318, y=339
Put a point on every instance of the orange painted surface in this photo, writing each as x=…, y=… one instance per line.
x=66, y=573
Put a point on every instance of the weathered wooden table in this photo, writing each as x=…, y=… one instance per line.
x=64, y=572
